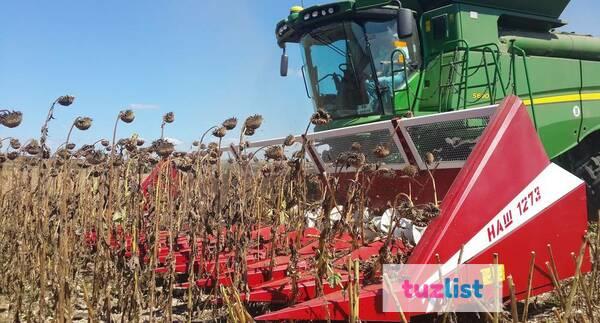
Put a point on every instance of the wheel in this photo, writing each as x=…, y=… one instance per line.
x=584, y=162
x=590, y=173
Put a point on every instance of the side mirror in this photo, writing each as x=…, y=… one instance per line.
x=283, y=66
x=405, y=23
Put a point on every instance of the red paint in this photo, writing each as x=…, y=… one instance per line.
x=508, y=156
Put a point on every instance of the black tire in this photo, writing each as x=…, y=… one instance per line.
x=584, y=162
x=590, y=173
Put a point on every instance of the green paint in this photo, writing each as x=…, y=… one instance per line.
x=479, y=37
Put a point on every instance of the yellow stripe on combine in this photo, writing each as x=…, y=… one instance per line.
x=564, y=98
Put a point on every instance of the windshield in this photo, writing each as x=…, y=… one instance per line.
x=349, y=67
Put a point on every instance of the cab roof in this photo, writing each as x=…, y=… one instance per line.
x=303, y=19
x=547, y=8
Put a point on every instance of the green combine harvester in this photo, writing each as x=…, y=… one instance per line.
x=373, y=60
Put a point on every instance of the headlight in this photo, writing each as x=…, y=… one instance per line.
x=323, y=12
x=306, y=16
x=315, y=14
x=330, y=10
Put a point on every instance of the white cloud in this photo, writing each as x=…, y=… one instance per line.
x=143, y=106
x=229, y=140
x=174, y=141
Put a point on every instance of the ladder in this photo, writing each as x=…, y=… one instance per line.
x=398, y=55
x=459, y=71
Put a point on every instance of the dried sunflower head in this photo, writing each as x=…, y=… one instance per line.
x=279, y=167
x=83, y=164
x=429, y=158
x=169, y=117
x=253, y=122
x=410, y=170
x=140, y=142
x=370, y=167
x=105, y=143
x=356, y=147
x=320, y=118
x=387, y=173
x=152, y=161
x=213, y=158
x=213, y=146
x=123, y=142
x=65, y=100
x=12, y=155
x=220, y=132
x=184, y=165
x=127, y=116
x=266, y=170
x=70, y=146
x=381, y=151
x=163, y=148
x=118, y=162
x=33, y=148
x=63, y=153
x=274, y=153
x=53, y=172
x=230, y=123
x=10, y=119
x=15, y=143
x=351, y=159
x=289, y=140
x=314, y=190
x=249, y=132
x=131, y=146
x=57, y=162
x=408, y=115
x=83, y=123
x=85, y=149
x=357, y=160
x=95, y=157
x=196, y=143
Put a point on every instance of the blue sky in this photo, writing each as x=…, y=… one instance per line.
x=206, y=60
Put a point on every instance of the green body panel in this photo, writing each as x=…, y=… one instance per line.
x=590, y=76
x=553, y=77
x=401, y=105
x=556, y=45
x=550, y=8
x=562, y=75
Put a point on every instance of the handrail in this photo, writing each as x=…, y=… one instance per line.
x=497, y=72
x=304, y=79
x=463, y=77
x=404, y=69
x=513, y=49
x=493, y=49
